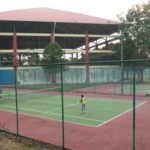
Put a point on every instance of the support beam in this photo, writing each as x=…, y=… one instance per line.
x=19, y=58
x=77, y=56
x=59, y=35
x=52, y=37
x=106, y=43
x=37, y=58
x=14, y=49
x=66, y=51
x=87, y=57
x=102, y=43
x=53, y=33
x=72, y=56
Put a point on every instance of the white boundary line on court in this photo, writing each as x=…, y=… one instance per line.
x=42, y=117
x=61, y=108
x=44, y=101
x=91, y=100
x=21, y=108
x=66, y=106
x=68, y=115
x=78, y=117
x=32, y=110
x=120, y=115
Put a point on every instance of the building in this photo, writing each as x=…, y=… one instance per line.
x=25, y=33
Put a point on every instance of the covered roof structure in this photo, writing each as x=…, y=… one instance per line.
x=51, y=15
x=34, y=26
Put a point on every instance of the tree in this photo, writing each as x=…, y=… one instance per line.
x=52, y=54
x=136, y=25
x=129, y=50
x=136, y=28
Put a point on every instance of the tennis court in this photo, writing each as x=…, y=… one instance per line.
x=32, y=106
x=139, y=88
x=46, y=105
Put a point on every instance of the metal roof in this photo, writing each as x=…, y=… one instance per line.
x=51, y=15
x=42, y=21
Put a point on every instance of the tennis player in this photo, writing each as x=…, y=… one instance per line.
x=83, y=102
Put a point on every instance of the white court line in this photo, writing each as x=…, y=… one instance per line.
x=71, y=105
x=49, y=112
x=113, y=100
x=74, y=116
x=40, y=101
x=68, y=106
x=70, y=122
x=61, y=108
x=22, y=108
x=32, y=110
x=105, y=100
x=78, y=117
x=120, y=115
x=43, y=101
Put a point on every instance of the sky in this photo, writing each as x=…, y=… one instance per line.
x=108, y=9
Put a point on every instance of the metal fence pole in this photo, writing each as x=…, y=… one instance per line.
x=62, y=104
x=121, y=55
x=114, y=82
x=94, y=81
x=16, y=96
x=134, y=109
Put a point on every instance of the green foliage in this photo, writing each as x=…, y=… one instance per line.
x=136, y=25
x=129, y=50
x=52, y=54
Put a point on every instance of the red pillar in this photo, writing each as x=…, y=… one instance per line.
x=87, y=56
x=15, y=49
x=52, y=38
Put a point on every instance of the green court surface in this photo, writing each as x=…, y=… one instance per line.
x=99, y=110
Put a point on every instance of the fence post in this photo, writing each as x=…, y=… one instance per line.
x=62, y=104
x=134, y=108
x=16, y=96
x=114, y=82
x=121, y=57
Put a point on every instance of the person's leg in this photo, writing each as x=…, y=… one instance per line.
x=84, y=108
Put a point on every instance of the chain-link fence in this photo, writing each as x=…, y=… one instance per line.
x=43, y=102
